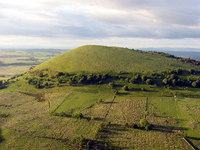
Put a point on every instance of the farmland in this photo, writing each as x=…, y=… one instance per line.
x=19, y=61
x=101, y=110
x=31, y=120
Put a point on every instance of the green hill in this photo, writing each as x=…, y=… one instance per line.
x=102, y=58
x=140, y=111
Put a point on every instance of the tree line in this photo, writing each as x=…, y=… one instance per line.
x=179, y=77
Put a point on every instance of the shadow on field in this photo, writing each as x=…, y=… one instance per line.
x=84, y=117
x=118, y=86
x=193, y=138
x=167, y=129
x=122, y=94
x=111, y=130
x=109, y=102
x=1, y=136
x=83, y=143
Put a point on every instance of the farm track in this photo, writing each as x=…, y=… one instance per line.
x=108, y=111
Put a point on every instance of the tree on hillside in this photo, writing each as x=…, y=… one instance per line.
x=149, y=81
x=145, y=124
x=125, y=88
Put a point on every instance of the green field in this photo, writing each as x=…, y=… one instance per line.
x=32, y=121
x=43, y=118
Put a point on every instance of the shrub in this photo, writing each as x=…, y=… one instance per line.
x=100, y=101
x=78, y=115
x=149, y=81
x=111, y=85
x=116, y=92
x=143, y=89
x=145, y=124
x=125, y=88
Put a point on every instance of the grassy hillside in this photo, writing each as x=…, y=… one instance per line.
x=65, y=111
x=101, y=58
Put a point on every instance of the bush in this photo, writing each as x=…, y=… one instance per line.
x=125, y=88
x=149, y=81
x=145, y=124
x=78, y=115
x=100, y=101
x=143, y=89
x=111, y=85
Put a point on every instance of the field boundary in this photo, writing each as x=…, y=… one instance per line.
x=107, y=112
x=61, y=103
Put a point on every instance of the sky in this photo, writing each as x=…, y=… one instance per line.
x=126, y=23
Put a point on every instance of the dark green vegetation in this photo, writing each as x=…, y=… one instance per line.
x=179, y=77
x=54, y=106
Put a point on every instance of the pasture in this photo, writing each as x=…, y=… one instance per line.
x=29, y=123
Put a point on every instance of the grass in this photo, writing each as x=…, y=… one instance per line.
x=183, y=110
x=32, y=124
x=113, y=59
x=82, y=99
x=33, y=121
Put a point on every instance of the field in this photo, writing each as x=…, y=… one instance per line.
x=19, y=61
x=97, y=97
x=28, y=119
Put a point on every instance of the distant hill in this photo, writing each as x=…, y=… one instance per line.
x=193, y=53
x=93, y=58
x=186, y=54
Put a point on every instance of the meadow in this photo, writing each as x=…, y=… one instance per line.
x=105, y=121
x=115, y=59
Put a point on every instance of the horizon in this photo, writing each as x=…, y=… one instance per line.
x=50, y=24
x=161, y=49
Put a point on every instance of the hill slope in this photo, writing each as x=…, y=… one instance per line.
x=101, y=58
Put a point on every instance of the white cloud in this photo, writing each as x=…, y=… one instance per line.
x=86, y=21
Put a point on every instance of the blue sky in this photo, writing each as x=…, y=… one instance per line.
x=127, y=23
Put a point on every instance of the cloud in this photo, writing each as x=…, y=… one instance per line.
x=101, y=19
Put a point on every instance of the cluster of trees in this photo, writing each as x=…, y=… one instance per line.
x=41, y=83
x=174, y=80
x=45, y=81
x=79, y=79
x=3, y=84
x=143, y=125
x=179, y=77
